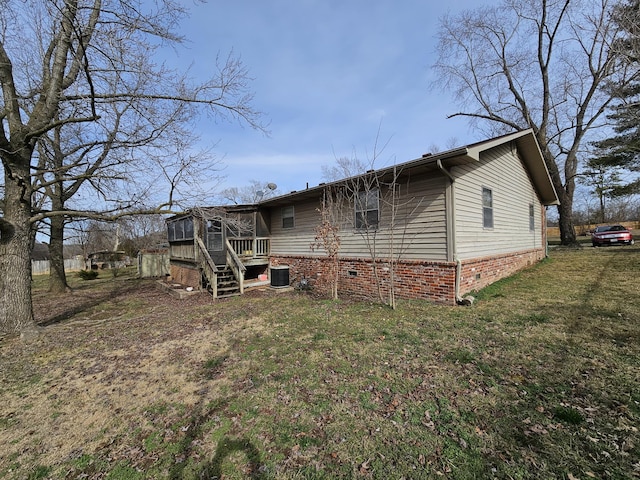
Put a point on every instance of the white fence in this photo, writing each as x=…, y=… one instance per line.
x=41, y=267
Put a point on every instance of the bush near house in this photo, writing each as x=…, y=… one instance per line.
x=538, y=379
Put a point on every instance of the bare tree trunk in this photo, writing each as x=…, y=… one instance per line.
x=336, y=278
x=16, y=313
x=565, y=222
x=564, y=192
x=602, y=205
x=57, y=275
x=565, y=213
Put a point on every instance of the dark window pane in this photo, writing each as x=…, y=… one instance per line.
x=487, y=208
x=367, y=209
x=188, y=228
x=487, y=217
x=288, y=217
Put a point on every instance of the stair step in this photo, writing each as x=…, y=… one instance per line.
x=226, y=283
x=227, y=295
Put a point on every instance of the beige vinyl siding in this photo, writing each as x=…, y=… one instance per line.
x=419, y=234
x=501, y=171
x=298, y=239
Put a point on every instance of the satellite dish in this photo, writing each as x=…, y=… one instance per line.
x=271, y=186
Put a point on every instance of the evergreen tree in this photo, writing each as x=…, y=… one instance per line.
x=622, y=149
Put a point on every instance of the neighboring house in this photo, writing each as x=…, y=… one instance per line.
x=107, y=259
x=444, y=224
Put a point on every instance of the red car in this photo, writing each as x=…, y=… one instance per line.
x=611, y=235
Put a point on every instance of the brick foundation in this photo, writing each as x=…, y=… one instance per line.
x=433, y=281
x=357, y=277
x=478, y=273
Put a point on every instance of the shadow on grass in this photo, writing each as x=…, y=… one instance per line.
x=83, y=306
x=227, y=446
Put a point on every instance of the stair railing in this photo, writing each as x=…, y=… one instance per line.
x=236, y=265
x=208, y=267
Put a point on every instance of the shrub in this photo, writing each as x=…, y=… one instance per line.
x=88, y=274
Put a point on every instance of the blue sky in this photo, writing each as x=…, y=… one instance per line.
x=327, y=74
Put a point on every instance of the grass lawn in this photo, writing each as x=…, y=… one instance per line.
x=538, y=379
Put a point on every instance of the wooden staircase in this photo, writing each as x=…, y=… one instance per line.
x=228, y=285
x=221, y=281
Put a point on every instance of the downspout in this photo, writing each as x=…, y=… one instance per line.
x=452, y=254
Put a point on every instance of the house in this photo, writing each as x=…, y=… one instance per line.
x=107, y=259
x=438, y=227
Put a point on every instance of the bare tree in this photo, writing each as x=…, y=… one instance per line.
x=120, y=165
x=67, y=66
x=255, y=192
x=384, y=209
x=539, y=64
x=328, y=233
x=345, y=167
x=146, y=231
x=382, y=212
x=402, y=208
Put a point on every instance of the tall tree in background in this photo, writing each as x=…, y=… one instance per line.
x=605, y=184
x=255, y=192
x=539, y=64
x=61, y=62
x=622, y=150
x=118, y=166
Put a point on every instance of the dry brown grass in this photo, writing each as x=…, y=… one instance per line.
x=539, y=379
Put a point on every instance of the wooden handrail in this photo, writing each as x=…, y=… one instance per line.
x=209, y=267
x=236, y=265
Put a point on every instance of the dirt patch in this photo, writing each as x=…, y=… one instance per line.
x=98, y=370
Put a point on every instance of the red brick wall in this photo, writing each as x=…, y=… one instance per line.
x=434, y=281
x=357, y=277
x=477, y=274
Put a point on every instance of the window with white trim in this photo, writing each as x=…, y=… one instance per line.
x=288, y=219
x=532, y=218
x=487, y=208
x=367, y=209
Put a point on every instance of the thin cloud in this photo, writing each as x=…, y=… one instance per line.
x=328, y=74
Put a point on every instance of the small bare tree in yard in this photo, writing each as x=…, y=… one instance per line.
x=87, y=64
x=328, y=233
x=402, y=208
x=382, y=212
